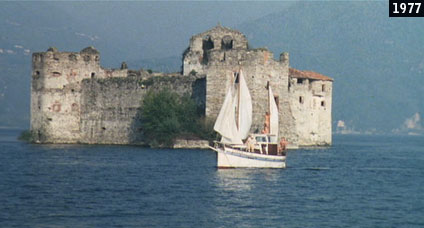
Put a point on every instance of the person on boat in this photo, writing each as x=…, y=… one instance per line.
x=250, y=143
x=283, y=145
x=265, y=130
x=267, y=123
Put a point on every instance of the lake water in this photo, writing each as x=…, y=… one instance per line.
x=361, y=181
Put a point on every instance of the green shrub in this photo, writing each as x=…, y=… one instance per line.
x=167, y=116
x=26, y=136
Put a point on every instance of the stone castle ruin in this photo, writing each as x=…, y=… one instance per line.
x=75, y=100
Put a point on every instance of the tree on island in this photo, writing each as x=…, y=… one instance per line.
x=166, y=116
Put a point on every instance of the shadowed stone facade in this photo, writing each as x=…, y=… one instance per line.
x=75, y=100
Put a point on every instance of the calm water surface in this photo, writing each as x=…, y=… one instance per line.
x=362, y=181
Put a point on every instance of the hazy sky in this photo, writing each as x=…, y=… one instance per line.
x=167, y=26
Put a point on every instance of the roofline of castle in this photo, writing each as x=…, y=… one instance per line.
x=220, y=27
x=295, y=73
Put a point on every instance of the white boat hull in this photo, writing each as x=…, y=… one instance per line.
x=233, y=158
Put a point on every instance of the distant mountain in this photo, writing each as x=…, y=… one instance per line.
x=377, y=62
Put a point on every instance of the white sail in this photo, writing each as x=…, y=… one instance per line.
x=273, y=111
x=244, y=108
x=225, y=124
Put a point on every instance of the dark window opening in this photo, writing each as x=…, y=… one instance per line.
x=300, y=81
x=103, y=128
x=236, y=76
x=37, y=72
x=322, y=103
x=323, y=88
x=93, y=74
x=227, y=43
x=72, y=57
x=56, y=74
x=206, y=46
x=49, y=119
x=277, y=99
x=301, y=100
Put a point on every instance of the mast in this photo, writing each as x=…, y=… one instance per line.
x=238, y=101
x=273, y=111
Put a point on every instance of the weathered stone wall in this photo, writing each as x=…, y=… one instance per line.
x=55, y=93
x=218, y=38
x=220, y=52
x=110, y=107
x=311, y=102
x=74, y=99
x=259, y=69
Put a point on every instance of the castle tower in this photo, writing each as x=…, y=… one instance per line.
x=311, y=103
x=219, y=53
x=56, y=91
x=196, y=57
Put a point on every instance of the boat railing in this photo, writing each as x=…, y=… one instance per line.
x=266, y=148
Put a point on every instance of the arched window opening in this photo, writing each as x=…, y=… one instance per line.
x=206, y=46
x=227, y=43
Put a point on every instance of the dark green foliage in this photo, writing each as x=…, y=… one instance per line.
x=205, y=130
x=166, y=116
x=25, y=136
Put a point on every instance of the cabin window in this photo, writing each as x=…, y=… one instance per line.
x=260, y=139
x=301, y=100
x=300, y=81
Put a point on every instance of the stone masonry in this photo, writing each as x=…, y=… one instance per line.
x=75, y=100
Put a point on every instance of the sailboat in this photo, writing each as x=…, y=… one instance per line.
x=238, y=148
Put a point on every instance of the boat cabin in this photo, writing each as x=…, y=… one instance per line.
x=266, y=144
